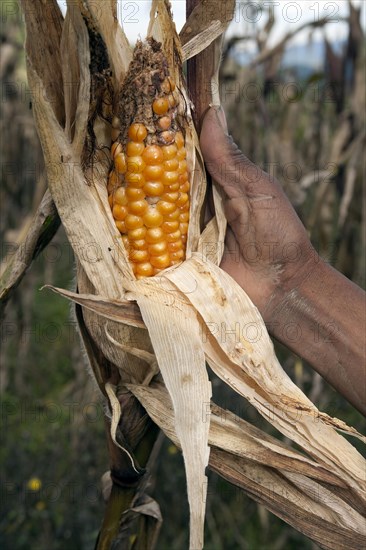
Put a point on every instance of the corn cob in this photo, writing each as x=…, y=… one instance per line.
x=148, y=185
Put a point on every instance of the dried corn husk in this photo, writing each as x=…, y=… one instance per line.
x=167, y=322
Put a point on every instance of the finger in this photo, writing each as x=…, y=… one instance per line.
x=228, y=165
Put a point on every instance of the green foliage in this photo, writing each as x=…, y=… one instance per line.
x=52, y=421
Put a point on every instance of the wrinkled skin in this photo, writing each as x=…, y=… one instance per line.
x=307, y=305
x=267, y=248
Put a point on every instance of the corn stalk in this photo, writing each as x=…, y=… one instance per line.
x=148, y=340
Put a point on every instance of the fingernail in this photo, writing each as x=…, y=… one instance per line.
x=221, y=118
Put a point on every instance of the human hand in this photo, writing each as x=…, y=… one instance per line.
x=269, y=254
x=267, y=250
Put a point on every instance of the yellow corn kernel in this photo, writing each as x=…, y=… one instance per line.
x=183, y=178
x=184, y=187
x=120, y=163
x=179, y=140
x=182, y=199
x=172, y=216
x=154, y=235
x=144, y=269
x=171, y=165
x=175, y=246
x=182, y=169
x=137, y=234
x=153, y=155
x=153, y=172
x=183, y=228
x=181, y=155
x=165, y=207
x=170, y=197
x=153, y=188
x=157, y=249
x=161, y=105
x=170, y=227
x=137, y=132
x=121, y=226
x=172, y=237
x=136, y=165
x=119, y=196
x=134, y=148
x=119, y=212
x=139, y=256
x=140, y=244
x=184, y=217
x=138, y=207
x=169, y=151
x=135, y=180
x=173, y=187
x=161, y=262
x=168, y=178
x=116, y=149
x=148, y=189
x=133, y=194
x=133, y=222
x=177, y=256
x=152, y=218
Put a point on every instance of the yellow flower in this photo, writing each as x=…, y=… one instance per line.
x=34, y=484
x=172, y=450
x=133, y=539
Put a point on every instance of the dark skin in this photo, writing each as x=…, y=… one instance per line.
x=306, y=304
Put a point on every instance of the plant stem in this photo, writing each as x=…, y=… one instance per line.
x=200, y=70
x=38, y=235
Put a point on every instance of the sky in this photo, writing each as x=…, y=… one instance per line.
x=289, y=15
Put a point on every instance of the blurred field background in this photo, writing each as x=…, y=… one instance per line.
x=297, y=110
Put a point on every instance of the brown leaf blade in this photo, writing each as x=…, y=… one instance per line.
x=95, y=244
x=174, y=333
x=318, y=512
x=253, y=370
x=208, y=20
x=119, y=311
x=44, y=21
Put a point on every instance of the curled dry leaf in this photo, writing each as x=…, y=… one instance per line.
x=167, y=319
x=295, y=488
x=207, y=21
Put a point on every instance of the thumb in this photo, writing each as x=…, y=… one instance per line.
x=214, y=135
x=224, y=160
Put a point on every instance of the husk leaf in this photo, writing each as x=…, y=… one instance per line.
x=242, y=454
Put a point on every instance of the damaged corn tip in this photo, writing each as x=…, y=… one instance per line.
x=149, y=186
